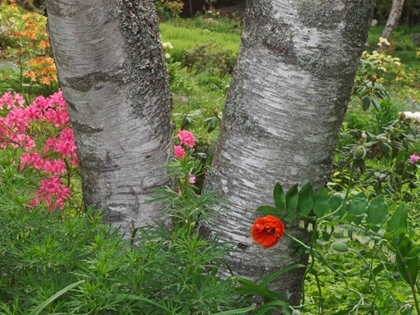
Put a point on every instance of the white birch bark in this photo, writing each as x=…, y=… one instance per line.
x=392, y=22
x=114, y=79
x=283, y=113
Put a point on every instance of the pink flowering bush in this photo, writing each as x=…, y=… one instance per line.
x=42, y=136
x=186, y=164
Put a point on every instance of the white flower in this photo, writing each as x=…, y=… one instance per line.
x=310, y=227
x=167, y=56
x=410, y=115
x=301, y=224
x=167, y=45
x=328, y=229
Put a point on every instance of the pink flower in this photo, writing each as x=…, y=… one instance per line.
x=187, y=138
x=64, y=145
x=179, y=152
x=53, y=192
x=10, y=101
x=54, y=167
x=31, y=160
x=191, y=179
x=414, y=158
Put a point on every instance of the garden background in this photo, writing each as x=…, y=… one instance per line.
x=57, y=257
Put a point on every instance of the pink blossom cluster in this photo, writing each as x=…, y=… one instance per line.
x=58, y=153
x=185, y=138
x=414, y=158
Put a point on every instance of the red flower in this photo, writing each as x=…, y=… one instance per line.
x=267, y=231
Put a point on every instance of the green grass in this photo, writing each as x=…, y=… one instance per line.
x=183, y=38
x=219, y=25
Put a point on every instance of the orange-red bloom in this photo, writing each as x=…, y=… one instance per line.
x=267, y=231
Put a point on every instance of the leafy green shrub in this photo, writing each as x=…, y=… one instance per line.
x=186, y=37
x=382, y=247
x=165, y=272
x=209, y=57
x=386, y=141
x=220, y=25
x=167, y=9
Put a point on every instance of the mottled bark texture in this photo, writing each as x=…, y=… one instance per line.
x=392, y=22
x=114, y=79
x=282, y=117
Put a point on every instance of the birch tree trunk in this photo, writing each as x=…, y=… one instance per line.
x=392, y=22
x=114, y=79
x=287, y=100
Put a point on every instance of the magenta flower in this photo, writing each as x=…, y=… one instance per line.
x=187, y=138
x=191, y=179
x=179, y=152
x=414, y=158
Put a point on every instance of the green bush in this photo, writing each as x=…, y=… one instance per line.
x=41, y=253
x=214, y=24
x=183, y=38
x=209, y=57
x=167, y=9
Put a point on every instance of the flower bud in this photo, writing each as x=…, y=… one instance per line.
x=340, y=247
x=359, y=152
x=301, y=224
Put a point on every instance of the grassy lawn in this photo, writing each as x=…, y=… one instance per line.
x=183, y=38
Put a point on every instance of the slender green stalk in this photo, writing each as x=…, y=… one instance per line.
x=370, y=276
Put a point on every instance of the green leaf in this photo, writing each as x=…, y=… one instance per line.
x=397, y=225
x=375, y=104
x=268, y=210
x=251, y=288
x=366, y=103
x=140, y=298
x=378, y=269
x=279, y=273
x=292, y=198
x=291, y=216
x=357, y=207
x=279, y=197
x=266, y=308
x=377, y=211
x=306, y=200
x=238, y=311
x=413, y=269
x=407, y=268
x=361, y=165
x=321, y=202
x=413, y=253
x=43, y=305
x=212, y=122
x=337, y=200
